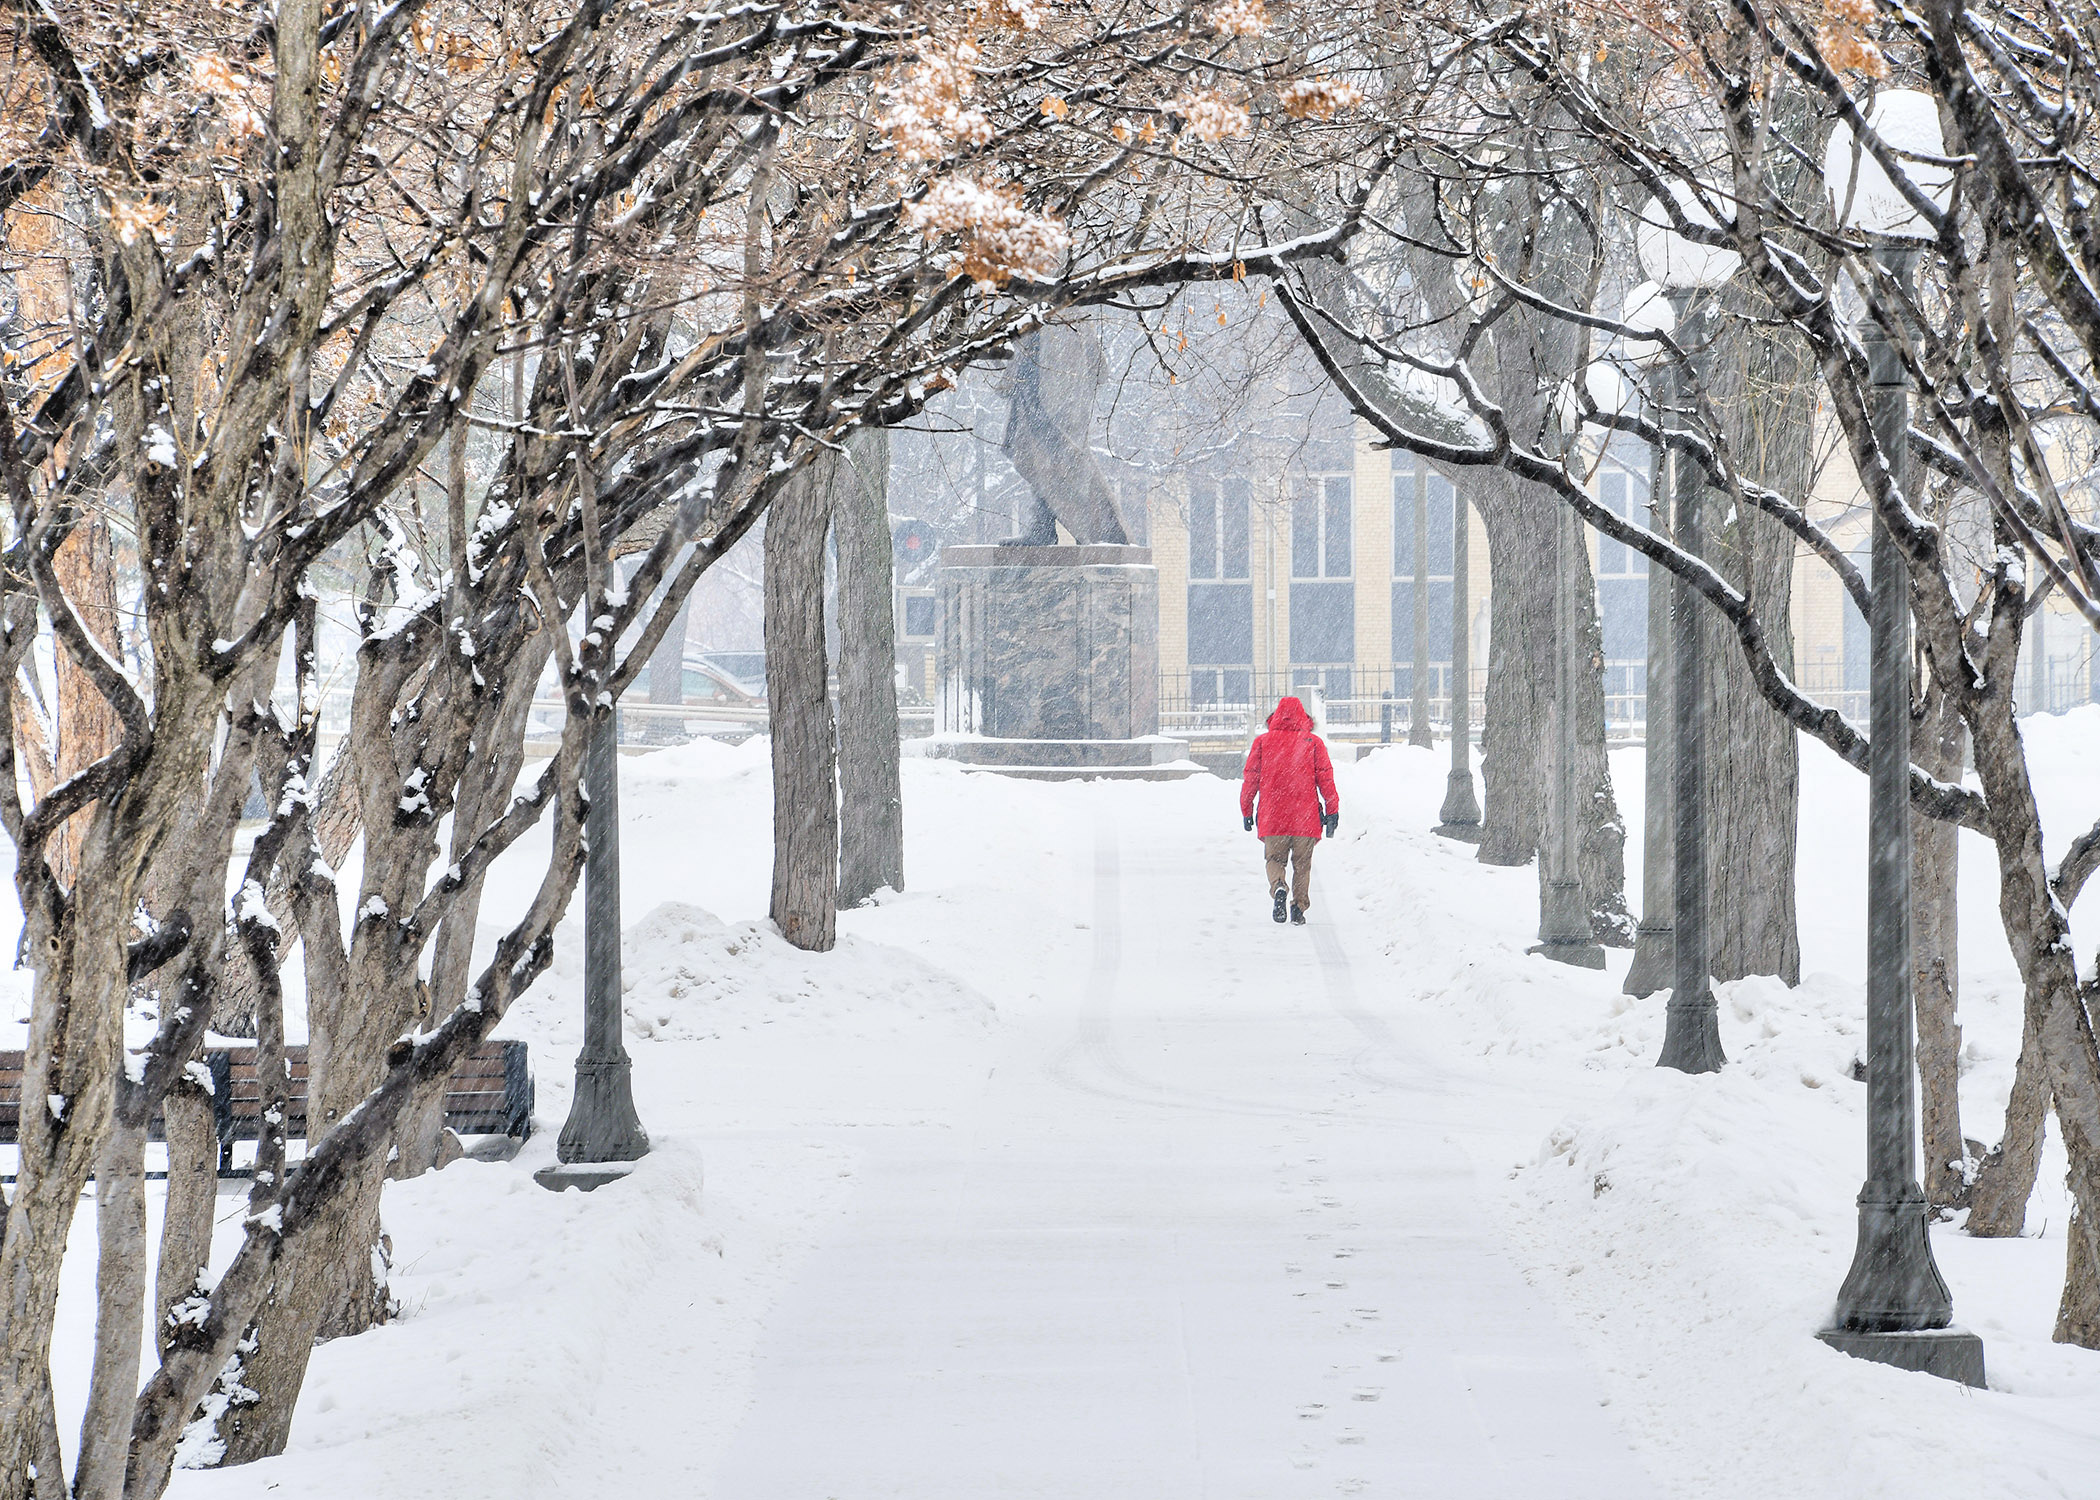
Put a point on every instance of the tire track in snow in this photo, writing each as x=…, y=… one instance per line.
x=1338, y=980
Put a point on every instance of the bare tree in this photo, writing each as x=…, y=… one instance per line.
x=322, y=250
x=798, y=707
x=2004, y=335
x=871, y=791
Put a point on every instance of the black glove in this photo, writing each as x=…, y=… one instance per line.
x=1333, y=821
x=1249, y=821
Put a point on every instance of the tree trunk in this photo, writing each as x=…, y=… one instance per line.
x=2037, y=929
x=805, y=789
x=2078, y=1314
x=1761, y=393
x=120, y=1296
x=75, y=1041
x=87, y=725
x=485, y=791
x=1601, y=858
x=2005, y=1181
x=871, y=795
x=68, y=1061
x=193, y=1195
x=1520, y=669
x=77, y=947
x=331, y=1283
x=1753, y=780
x=49, y=1458
x=1513, y=753
x=192, y=1137
x=337, y=819
x=1936, y=744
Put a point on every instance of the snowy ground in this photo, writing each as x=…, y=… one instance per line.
x=1071, y=1175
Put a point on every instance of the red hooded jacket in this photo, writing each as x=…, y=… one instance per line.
x=1286, y=765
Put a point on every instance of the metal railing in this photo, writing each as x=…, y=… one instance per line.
x=642, y=724
x=655, y=725
x=1359, y=702
x=2065, y=685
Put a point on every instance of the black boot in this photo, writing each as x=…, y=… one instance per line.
x=1297, y=915
x=1283, y=895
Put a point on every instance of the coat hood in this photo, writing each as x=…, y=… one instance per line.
x=1290, y=714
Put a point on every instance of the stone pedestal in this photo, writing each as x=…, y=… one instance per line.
x=1049, y=663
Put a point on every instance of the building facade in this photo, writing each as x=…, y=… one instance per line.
x=1295, y=571
x=1302, y=578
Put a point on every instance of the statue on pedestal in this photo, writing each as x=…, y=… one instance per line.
x=1049, y=651
x=1051, y=393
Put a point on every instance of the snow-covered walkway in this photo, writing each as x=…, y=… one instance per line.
x=1200, y=1236
x=1071, y=1174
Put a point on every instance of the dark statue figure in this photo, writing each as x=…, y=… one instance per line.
x=1051, y=390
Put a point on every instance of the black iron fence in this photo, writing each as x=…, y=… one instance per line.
x=1358, y=701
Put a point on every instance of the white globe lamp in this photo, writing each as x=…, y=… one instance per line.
x=1862, y=193
x=1677, y=262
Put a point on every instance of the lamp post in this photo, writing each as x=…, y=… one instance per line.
x=1684, y=268
x=1893, y=1305
x=1460, y=817
x=603, y=1135
x=1418, y=723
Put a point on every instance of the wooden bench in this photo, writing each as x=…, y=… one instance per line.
x=489, y=1093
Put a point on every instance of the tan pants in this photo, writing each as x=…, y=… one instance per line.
x=1297, y=849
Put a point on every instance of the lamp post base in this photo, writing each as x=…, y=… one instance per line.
x=1692, y=1040
x=1894, y=1285
x=1950, y=1353
x=602, y=1124
x=1654, y=960
x=1460, y=816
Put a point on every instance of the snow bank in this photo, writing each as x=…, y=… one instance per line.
x=690, y=976
x=1691, y=1231
x=1695, y=1230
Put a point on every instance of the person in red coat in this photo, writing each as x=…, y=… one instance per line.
x=1290, y=776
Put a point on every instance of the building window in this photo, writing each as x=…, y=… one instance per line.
x=1322, y=537
x=1221, y=624
x=1857, y=677
x=1323, y=622
x=919, y=614
x=1226, y=687
x=1622, y=579
x=1218, y=528
x=1442, y=509
x=1333, y=682
x=1220, y=600
x=1442, y=499
x=1618, y=489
